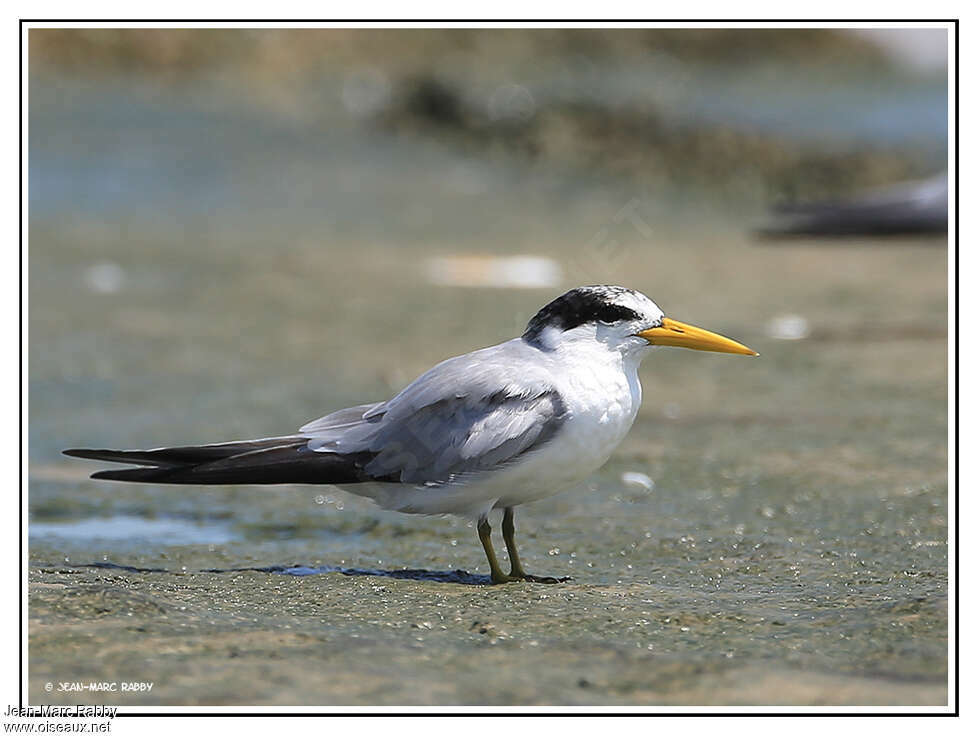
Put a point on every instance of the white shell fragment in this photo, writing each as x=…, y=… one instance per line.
x=637, y=479
x=788, y=327
x=493, y=271
x=105, y=277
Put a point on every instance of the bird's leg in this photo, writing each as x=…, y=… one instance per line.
x=507, y=527
x=516, y=570
x=497, y=575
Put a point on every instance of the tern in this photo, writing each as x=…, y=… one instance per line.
x=491, y=429
x=915, y=207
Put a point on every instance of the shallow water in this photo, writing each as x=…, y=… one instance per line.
x=122, y=529
x=262, y=272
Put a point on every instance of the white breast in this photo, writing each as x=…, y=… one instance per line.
x=602, y=396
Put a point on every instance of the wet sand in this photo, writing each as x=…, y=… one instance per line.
x=252, y=638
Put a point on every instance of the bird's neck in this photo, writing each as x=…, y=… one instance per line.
x=602, y=371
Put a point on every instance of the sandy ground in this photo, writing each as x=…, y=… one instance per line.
x=363, y=640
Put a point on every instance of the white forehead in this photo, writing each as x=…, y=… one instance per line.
x=640, y=304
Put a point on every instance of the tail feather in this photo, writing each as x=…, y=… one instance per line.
x=180, y=455
x=285, y=460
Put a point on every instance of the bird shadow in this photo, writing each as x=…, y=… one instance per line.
x=457, y=576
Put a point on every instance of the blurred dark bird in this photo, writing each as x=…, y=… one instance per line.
x=916, y=207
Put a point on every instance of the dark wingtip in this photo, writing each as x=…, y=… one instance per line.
x=142, y=474
x=81, y=453
x=107, y=474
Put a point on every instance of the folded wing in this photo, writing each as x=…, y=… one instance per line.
x=465, y=416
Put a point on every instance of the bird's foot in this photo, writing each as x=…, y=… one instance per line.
x=522, y=577
x=544, y=580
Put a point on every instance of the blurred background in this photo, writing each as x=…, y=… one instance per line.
x=235, y=231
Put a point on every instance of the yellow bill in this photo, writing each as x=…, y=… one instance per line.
x=675, y=333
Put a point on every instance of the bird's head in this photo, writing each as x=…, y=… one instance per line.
x=622, y=319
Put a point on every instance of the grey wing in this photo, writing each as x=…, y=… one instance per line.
x=341, y=419
x=464, y=416
x=441, y=442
